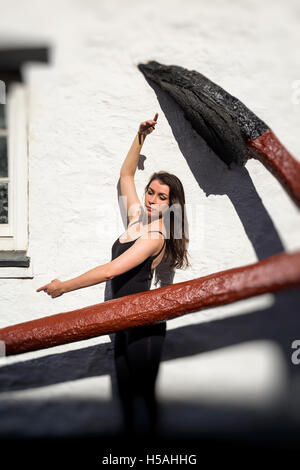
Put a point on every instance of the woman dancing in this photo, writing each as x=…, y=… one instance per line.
x=134, y=258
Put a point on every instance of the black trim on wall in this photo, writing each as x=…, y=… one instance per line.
x=16, y=259
x=12, y=58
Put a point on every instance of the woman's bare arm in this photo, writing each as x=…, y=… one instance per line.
x=144, y=247
x=131, y=161
x=127, y=184
x=94, y=276
x=136, y=254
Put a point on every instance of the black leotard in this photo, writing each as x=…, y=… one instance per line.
x=137, y=350
x=137, y=279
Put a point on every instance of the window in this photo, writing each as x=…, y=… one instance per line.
x=14, y=184
x=4, y=179
x=14, y=160
x=14, y=174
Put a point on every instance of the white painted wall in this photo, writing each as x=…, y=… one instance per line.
x=84, y=111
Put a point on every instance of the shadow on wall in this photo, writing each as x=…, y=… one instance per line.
x=279, y=323
x=214, y=177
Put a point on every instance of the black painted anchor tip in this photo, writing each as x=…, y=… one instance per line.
x=221, y=119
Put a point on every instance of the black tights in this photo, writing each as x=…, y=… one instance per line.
x=137, y=357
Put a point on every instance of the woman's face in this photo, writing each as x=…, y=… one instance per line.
x=157, y=199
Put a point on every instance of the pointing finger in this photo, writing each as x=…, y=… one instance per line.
x=41, y=288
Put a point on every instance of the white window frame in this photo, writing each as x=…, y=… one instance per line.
x=14, y=235
x=5, y=229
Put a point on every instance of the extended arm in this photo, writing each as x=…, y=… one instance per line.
x=96, y=275
x=136, y=254
x=90, y=278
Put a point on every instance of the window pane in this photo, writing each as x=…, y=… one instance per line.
x=3, y=158
x=2, y=116
x=3, y=203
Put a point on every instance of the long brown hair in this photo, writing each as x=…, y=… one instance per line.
x=176, y=248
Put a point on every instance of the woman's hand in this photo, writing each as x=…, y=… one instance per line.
x=55, y=288
x=147, y=127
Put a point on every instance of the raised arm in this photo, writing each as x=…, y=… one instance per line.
x=128, y=169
